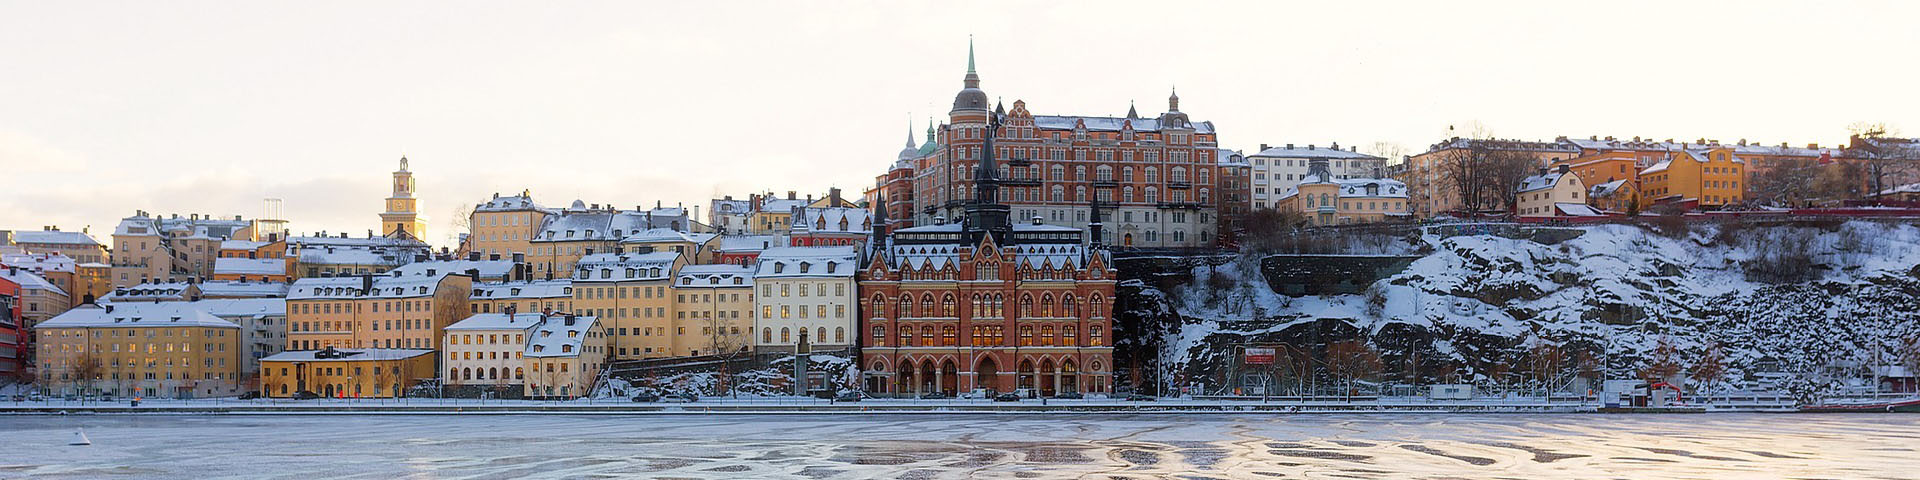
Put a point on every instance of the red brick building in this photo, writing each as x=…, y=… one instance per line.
x=986, y=303
x=14, y=337
x=1154, y=175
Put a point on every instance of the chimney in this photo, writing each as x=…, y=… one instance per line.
x=1289, y=146
x=473, y=256
x=1310, y=146
x=493, y=256
x=473, y=273
x=1561, y=169
x=570, y=318
x=1263, y=147
x=366, y=283
x=790, y=194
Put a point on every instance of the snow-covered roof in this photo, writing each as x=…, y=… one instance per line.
x=488, y=269
x=141, y=315
x=819, y=220
x=53, y=237
x=1229, y=158
x=774, y=204
x=1659, y=166
x=1038, y=256
x=1110, y=124
x=243, y=307
x=834, y=261
x=497, y=321
x=715, y=275
x=558, y=288
x=1576, y=210
x=1540, y=182
x=721, y=206
x=1607, y=189
x=149, y=291
x=384, y=286
x=29, y=280
x=1505, y=145
x=347, y=355
x=659, y=235
x=1908, y=188
x=509, y=204
x=227, y=288
x=305, y=242
x=555, y=338
x=352, y=256
x=1356, y=188
x=750, y=243
x=241, y=245
x=1749, y=148
x=39, y=262
x=625, y=266
x=1310, y=151
x=250, y=266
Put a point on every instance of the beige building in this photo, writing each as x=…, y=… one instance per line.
x=697, y=248
x=1326, y=200
x=713, y=309
x=81, y=281
x=1552, y=193
x=485, y=354
x=632, y=292
x=339, y=255
x=151, y=350
x=1276, y=170
x=805, y=292
x=1429, y=176
x=346, y=372
x=79, y=246
x=39, y=299
x=377, y=312
x=170, y=249
x=525, y=297
x=565, y=355
x=503, y=226
x=588, y=229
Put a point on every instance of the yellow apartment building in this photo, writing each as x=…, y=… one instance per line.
x=713, y=309
x=173, y=350
x=632, y=292
x=346, y=372
x=526, y=297
x=503, y=226
x=375, y=312
x=1702, y=177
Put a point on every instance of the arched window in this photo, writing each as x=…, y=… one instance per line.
x=1026, y=306
x=1079, y=194
x=1153, y=195
x=1177, y=174
x=946, y=306
x=1153, y=174
x=1103, y=173
x=1094, y=337
x=926, y=305
x=879, y=305
x=839, y=334
x=1126, y=193
x=879, y=336
x=948, y=336
x=1206, y=195
x=926, y=335
x=1059, y=173
x=820, y=335
x=1059, y=193
x=906, y=305
x=906, y=336
x=1069, y=308
x=1205, y=178
x=1046, y=336
x=1093, y=306
x=1026, y=335
x=1067, y=336
x=518, y=374
x=786, y=335
x=1046, y=305
x=1126, y=174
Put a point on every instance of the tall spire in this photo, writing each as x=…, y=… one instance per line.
x=910, y=131
x=970, y=55
x=1131, y=113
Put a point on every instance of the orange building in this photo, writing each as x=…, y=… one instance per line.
x=375, y=311
x=1704, y=177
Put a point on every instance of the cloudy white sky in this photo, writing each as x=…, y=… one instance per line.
x=208, y=107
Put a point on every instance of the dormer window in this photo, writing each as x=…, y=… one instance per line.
x=830, y=266
x=804, y=266
x=737, y=280
x=779, y=267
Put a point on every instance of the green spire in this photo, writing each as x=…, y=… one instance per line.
x=970, y=54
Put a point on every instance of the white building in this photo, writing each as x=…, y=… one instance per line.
x=1275, y=170
x=486, y=352
x=806, y=292
x=564, y=356
x=263, y=328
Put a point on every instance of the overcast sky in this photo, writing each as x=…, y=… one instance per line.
x=106, y=108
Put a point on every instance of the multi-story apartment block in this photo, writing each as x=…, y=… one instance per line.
x=83, y=282
x=745, y=249
x=1696, y=178
x=157, y=349
x=565, y=355
x=79, y=246
x=338, y=255
x=503, y=226
x=39, y=299
x=806, y=293
x=729, y=216
x=375, y=311
x=1429, y=176
x=1234, y=197
x=588, y=229
x=169, y=249
x=713, y=309
x=251, y=269
x=1156, y=174
x=633, y=293
x=696, y=248
x=1275, y=170
x=828, y=226
x=1554, y=192
x=15, y=338
x=347, y=372
x=274, y=247
x=1327, y=200
x=531, y=296
x=263, y=330
x=485, y=353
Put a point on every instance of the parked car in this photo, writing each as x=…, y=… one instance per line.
x=978, y=393
x=934, y=396
x=249, y=395
x=849, y=397
x=1006, y=397
x=305, y=395
x=646, y=398
x=1069, y=396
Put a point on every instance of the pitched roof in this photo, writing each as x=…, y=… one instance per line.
x=250, y=266
x=497, y=321
x=1110, y=124
x=551, y=337
x=1310, y=151
x=557, y=288
x=27, y=279
x=53, y=237
x=835, y=261
x=715, y=275
x=1540, y=182
x=165, y=314
x=349, y=355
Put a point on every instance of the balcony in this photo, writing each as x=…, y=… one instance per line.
x=1019, y=162
x=1181, y=184
x=1105, y=182
x=1180, y=205
x=1022, y=182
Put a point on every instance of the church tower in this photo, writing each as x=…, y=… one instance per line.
x=402, y=217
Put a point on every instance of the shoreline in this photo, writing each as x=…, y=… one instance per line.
x=848, y=408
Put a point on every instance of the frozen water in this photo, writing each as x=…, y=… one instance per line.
x=964, y=446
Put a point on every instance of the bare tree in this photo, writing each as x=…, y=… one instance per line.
x=85, y=369
x=1505, y=170
x=1789, y=182
x=725, y=342
x=1544, y=364
x=1708, y=371
x=1466, y=170
x=1881, y=157
x=1663, y=364
x=1268, y=228
x=462, y=221
x=1351, y=361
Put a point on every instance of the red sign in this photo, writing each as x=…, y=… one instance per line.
x=1258, y=356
